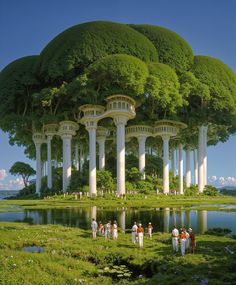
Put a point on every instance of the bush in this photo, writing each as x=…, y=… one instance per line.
x=27, y=191
x=144, y=187
x=191, y=191
x=105, y=181
x=218, y=231
x=210, y=190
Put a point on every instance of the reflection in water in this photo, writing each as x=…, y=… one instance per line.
x=162, y=219
x=166, y=213
x=202, y=221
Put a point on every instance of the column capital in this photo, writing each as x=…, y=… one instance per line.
x=91, y=125
x=141, y=138
x=165, y=137
x=38, y=138
x=67, y=128
x=120, y=120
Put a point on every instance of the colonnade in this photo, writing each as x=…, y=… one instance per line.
x=120, y=108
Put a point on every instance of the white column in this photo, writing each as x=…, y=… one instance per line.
x=76, y=157
x=173, y=162
x=205, y=154
x=195, y=166
x=177, y=163
x=38, y=167
x=66, y=160
x=120, y=133
x=181, y=170
x=166, y=188
x=49, y=180
x=92, y=160
x=101, y=143
x=141, y=147
x=188, y=169
x=200, y=160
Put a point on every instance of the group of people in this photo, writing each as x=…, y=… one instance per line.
x=108, y=230
x=184, y=238
x=138, y=232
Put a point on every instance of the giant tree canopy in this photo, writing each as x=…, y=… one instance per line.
x=172, y=49
x=113, y=74
x=74, y=49
x=90, y=61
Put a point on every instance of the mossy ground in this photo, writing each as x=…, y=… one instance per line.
x=70, y=256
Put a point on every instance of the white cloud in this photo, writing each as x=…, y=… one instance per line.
x=3, y=174
x=13, y=184
x=222, y=181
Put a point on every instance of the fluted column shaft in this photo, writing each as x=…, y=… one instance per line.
x=200, y=160
x=38, y=167
x=181, y=169
x=101, y=143
x=92, y=161
x=188, y=169
x=120, y=124
x=49, y=166
x=141, y=144
x=66, y=160
x=166, y=187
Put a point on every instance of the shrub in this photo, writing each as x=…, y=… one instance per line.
x=191, y=191
x=210, y=190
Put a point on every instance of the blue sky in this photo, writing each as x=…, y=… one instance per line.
x=26, y=26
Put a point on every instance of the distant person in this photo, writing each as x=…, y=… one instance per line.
x=134, y=232
x=107, y=229
x=100, y=228
x=192, y=240
x=150, y=229
x=140, y=232
x=175, y=237
x=183, y=238
x=187, y=240
x=115, y=231
x=94, y=227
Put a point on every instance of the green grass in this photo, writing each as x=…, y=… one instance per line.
x=70, y=256
x=137, y=200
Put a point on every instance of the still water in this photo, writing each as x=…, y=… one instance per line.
x=162, y=219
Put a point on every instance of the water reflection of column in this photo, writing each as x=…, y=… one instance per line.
x=202, y=221
x=49, y=216
x=94, y=212
x=166, y=220
x=121, y=220
x=174, y=216
x=182, y=217
x=188, y=222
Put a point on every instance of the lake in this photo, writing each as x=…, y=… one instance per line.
x=162, y=219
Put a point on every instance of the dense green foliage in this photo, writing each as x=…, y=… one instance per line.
x=172, y=49
x=114, y=74
x=162, y=91
x=221, y=82
x=210, y=190
x=74, y=49
x=22, y=169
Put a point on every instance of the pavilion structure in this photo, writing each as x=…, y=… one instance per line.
x=121, y=109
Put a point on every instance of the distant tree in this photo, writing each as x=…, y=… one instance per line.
x=22, y=169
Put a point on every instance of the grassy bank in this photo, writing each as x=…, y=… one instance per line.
x=70, y=256
x=139, y=201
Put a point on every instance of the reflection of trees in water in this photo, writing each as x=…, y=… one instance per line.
x=162, y=219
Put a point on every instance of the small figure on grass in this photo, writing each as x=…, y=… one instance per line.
x=94, y=227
